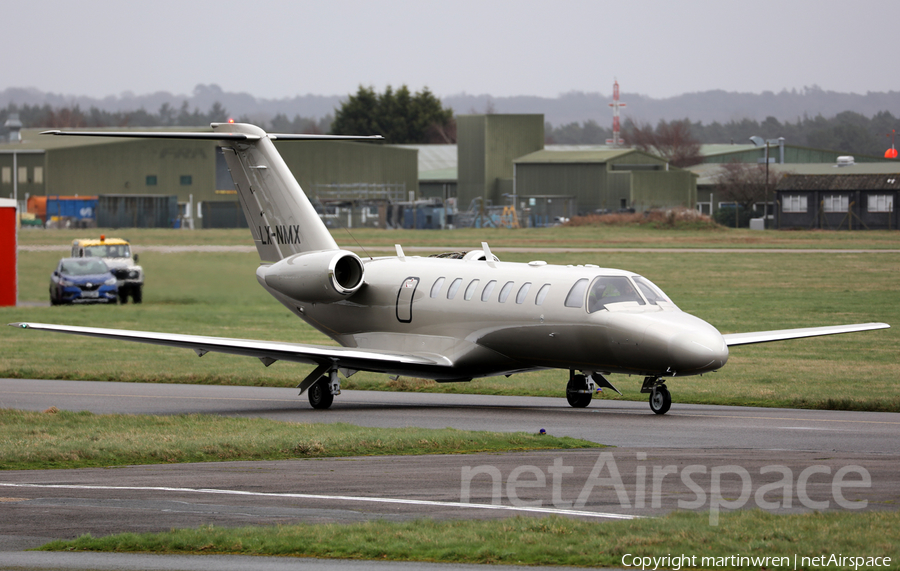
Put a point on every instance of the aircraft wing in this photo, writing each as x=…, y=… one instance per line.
x=733, y=339
x=266, y=351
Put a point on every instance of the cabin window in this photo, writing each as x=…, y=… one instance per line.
x=576, y=294
x=542, y=293
x=486, y=294
x=611, y=289
x=504, y=292
x=436, y=288
x=454, y=287
x=470, y=289
x=523, y=292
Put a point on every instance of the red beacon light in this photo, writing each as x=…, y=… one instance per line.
x=892, y=152
x=231, y=120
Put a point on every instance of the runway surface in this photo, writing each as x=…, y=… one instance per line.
x=706, y=458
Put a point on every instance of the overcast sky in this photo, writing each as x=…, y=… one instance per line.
x=276, y=49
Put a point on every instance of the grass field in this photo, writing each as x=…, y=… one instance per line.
x=550, y=541
x=554, y=237
x=66, y=439
x=217, y=294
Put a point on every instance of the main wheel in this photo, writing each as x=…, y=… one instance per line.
x=660, y=400
x=576, y=399
x=123, y=295
x=137, y=294
x=320, y=394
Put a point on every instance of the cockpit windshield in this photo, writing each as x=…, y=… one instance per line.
x=611, y=289
x=650, y=291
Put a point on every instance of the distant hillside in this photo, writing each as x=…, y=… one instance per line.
x=706, y=106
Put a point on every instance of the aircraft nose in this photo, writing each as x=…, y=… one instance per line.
x=697, y=349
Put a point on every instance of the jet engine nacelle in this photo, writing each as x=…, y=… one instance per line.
x=320, y=277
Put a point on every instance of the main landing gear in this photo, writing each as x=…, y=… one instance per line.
x=660, y=399
x=581, y=388
x=579, y=391
x=321, y=386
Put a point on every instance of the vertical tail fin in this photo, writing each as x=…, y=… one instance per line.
x=281, y=218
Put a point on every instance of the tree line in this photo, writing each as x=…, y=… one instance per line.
x=847, y=132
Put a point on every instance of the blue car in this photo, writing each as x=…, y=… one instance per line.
x=82, y=280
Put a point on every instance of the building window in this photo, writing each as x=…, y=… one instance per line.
x=793, y=203
x=835, y=203
x=151, y=180
x=6, y=175
x=38, y=175
x=186, y=180
x=881, y=203
x=23, y=174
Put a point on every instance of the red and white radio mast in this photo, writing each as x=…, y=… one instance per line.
x=616, y=104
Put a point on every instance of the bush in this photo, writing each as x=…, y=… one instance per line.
x=725, y=216
x=668, y=218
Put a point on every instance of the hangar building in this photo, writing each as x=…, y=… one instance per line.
x=191, y=170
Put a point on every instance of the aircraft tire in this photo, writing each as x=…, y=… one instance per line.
x=137, y=294
x=660, y=400
x=576, y=399
x=319, y=394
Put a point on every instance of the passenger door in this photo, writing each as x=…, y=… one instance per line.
x=405, y=299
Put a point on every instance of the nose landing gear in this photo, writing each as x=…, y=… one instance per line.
x=660, y=399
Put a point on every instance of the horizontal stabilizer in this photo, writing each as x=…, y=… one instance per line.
x=215, y=136
x=733, y=339
x=347, y=357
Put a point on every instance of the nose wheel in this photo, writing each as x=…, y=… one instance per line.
x=660, y=398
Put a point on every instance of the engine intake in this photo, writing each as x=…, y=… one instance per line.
x=320, y=277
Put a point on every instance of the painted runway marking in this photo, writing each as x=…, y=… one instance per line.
x=327, y=497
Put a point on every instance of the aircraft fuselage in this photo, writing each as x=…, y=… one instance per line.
x=490, y=318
